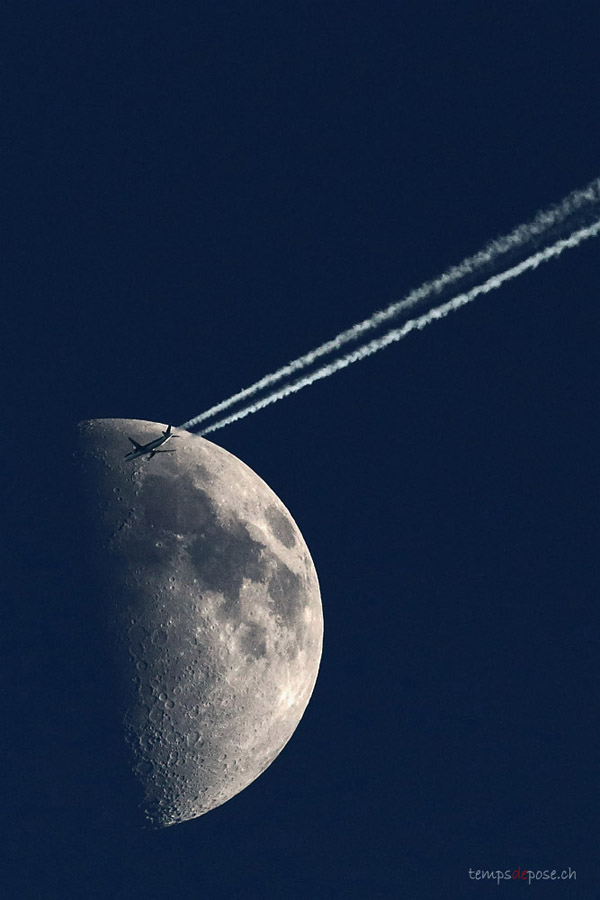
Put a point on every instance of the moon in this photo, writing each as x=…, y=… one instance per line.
x=213, y=608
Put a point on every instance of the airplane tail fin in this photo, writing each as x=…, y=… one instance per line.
x=168, y=431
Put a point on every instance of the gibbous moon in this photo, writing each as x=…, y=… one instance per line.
x=213, y=610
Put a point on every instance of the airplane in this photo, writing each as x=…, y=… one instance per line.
x=151, y=448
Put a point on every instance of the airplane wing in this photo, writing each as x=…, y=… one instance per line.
x=135, y=443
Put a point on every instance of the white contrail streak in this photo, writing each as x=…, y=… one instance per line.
x=396, y=334
x=543, y=224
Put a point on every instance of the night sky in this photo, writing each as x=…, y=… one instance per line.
x=195, y=194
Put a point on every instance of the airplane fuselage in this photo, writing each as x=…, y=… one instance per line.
x=151, y=447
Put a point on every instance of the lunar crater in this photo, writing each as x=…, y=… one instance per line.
x=213, y=612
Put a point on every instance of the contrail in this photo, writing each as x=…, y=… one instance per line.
x=396, y=334
x=543, y=225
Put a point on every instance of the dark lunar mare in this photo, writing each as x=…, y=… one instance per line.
x=209, y=610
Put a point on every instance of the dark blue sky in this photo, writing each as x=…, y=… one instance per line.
x=194, y=195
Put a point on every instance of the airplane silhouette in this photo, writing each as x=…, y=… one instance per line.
x=151, y=448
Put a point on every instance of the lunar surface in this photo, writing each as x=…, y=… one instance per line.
x=213, y=611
